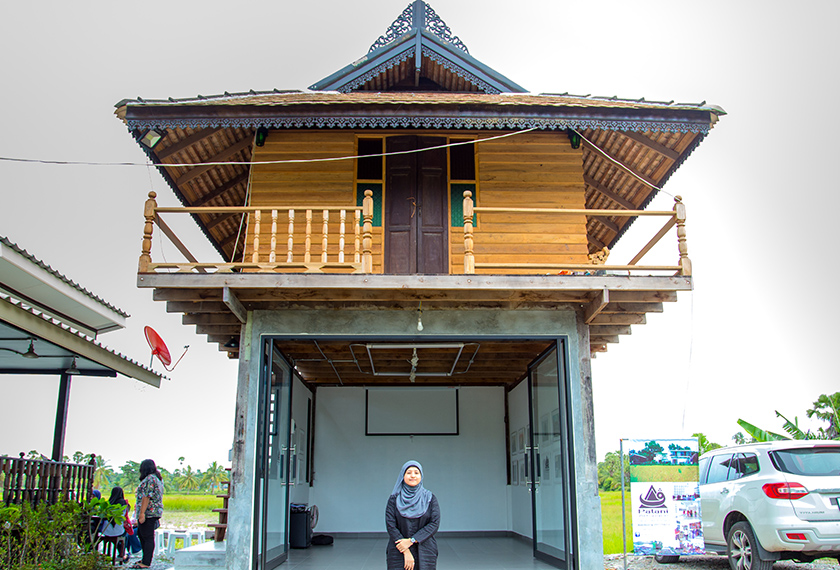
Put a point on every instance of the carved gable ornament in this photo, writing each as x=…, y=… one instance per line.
x=418, y=52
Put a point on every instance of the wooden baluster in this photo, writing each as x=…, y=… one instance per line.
x=272, y=256
x=307, y=254
x=255, y=257
x=326, y=216
x=469, y=257
x=679, y=214
x=367, y=232
x=146, y=247
x=342, y=216
x=291, y=240
x=357, y=227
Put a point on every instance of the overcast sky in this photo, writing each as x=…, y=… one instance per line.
x=756, y=335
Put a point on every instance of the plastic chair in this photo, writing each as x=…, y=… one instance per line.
x=173, y=535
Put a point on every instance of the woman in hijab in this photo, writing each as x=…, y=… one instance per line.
x=114, y=531
x=412, y=518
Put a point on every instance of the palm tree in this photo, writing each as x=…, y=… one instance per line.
x=102, y=474
x=189, y=479
x=214, y=476
x=826, y=409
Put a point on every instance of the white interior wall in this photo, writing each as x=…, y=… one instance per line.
x=355, y=473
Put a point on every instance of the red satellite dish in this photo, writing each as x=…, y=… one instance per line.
x=159, y=349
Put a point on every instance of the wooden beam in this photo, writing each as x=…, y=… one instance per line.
x=602, y=339
x=230, y=299
x=597, y=305
x=222, y=189
x=220, y=157
x=625, y=168
x=668, y=153
x=230, y=238
x=595, y=241
x=210, y=319
x=187, y=142
x=193, y=307
x=644, y=296
x=606, y=222
x=598, y=187
x=218, y=220
x=229, y=330
x=601, y=330
x=626, y=319
x=619, y=308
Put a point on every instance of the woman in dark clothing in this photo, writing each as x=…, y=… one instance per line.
x=412, y=518
x=149, y=509
x=113, y=531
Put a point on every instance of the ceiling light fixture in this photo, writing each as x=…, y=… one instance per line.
x=30, y=352
x=152, y=137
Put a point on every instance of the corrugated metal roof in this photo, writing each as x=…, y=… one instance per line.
x=5, y=241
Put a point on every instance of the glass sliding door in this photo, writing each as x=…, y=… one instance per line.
x=271, y=535
x=550, y=458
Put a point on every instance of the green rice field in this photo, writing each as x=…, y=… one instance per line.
x=611, y=522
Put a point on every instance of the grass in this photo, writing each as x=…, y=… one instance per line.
x=189, y=511
x=611, y=522
x=651, y=473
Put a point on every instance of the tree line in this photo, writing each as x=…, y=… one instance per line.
x=825, y=409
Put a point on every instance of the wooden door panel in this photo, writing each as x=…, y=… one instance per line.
x=416, y=207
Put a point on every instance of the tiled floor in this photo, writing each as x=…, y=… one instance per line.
x=454, y=554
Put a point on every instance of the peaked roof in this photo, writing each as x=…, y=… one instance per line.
x=418, y=51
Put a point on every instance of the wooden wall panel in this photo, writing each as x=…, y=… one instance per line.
x=534, y=170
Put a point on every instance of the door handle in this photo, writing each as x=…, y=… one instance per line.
x=724, y=491
x=413, y=205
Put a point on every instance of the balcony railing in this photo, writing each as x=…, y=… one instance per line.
x=315, y=239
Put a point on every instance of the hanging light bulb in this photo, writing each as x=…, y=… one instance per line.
x=420, y=317
x=30, y=352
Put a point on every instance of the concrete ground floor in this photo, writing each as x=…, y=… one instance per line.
x=368, y=553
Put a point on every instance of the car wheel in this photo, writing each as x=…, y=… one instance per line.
x=742, y=549
x=666, y=558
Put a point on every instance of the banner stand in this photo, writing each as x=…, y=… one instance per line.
x=623, y=510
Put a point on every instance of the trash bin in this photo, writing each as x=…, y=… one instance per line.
x=300, y=526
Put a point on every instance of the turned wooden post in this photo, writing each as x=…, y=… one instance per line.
x=146, y=248
x=679, y=215
x=307, y=254
x=326, y=229
x=367, y=231
x=272, y=255
x=342, y=222
x=469, y=257
x=357, y=228
x=255, y=257
x=291, y=241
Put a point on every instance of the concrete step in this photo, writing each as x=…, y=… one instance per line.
x=205, y=556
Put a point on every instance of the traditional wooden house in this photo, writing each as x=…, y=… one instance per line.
x=413, y=265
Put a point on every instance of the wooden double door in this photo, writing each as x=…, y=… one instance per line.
x=416, y=206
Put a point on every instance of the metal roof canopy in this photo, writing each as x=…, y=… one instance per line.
x=47, y=326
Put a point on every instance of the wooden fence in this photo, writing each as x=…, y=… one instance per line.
x=33, y=481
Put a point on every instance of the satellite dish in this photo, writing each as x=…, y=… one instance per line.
x=160, y=350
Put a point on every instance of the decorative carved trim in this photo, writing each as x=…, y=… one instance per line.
x=381, y=68
x=459, y=71
x=405, y=23
x=402, y=122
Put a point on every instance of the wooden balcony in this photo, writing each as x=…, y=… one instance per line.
x=324, y=257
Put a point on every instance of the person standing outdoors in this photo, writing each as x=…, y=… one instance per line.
x=149, y=509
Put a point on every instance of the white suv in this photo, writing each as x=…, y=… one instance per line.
x=771, y=501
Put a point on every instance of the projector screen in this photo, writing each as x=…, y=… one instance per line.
x=411, y=411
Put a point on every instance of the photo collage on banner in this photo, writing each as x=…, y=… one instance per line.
x=665, y=496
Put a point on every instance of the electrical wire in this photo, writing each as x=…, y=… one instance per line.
x=621, y=164
x=252, y=163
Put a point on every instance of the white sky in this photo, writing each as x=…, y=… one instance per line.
x=757, y=334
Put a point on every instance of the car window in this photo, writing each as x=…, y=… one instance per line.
x=719, y=468
x=743, y=465
x=814, y=461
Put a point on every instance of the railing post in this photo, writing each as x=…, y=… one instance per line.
x=272, y=256
x=342, y=217
x=146, y=248
x=469, y=256
x=255, y=257
x=325, y=214
x=291, y=241
x=367, y=239
x=357, y=251
x=307, y=254
x=679, y=215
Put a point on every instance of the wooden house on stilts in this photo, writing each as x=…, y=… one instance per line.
x=413, y=264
